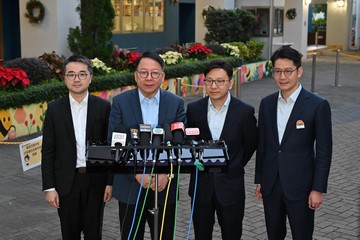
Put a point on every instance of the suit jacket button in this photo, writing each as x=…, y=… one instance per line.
x=280, y=151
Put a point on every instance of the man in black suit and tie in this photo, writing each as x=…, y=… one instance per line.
x=294, y=153
x=220, y=116
x=69, y=122
x=146, y=104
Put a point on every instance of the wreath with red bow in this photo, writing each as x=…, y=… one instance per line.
x=30, y=7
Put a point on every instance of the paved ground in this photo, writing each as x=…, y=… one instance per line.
x=24, y=213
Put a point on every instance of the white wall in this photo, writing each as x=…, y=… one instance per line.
x=336, y=31
x=50, y=34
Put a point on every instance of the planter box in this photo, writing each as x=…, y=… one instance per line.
x=28, y=119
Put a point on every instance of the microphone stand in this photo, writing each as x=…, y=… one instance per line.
x=155, y=210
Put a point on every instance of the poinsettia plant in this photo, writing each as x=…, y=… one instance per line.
x=13, y=77
x=199, y=51
x=123, y=59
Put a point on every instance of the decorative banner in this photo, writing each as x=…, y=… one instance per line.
x=30, y=153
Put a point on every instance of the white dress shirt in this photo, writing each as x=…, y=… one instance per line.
x=150, y=109
x=216, y=118
x=79, y=116
x=284, y=109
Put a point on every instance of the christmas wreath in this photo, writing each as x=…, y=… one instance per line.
x=291, y=13
x=30, y=6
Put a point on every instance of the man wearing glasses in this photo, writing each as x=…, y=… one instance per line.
x=294, y=153
x=146, y=104
x=221, y=116
x=78, y=196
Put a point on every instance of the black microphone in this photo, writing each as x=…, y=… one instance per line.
x=118, y=139
x=177, y=128
x=157, y=139
x=168, y=139
x=191, y=134
x=145, y=137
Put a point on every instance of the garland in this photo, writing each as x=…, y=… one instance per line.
x=30, y=6
x=291, y=13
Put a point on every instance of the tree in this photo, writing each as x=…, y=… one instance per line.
x=233, y=25
x=94, y=37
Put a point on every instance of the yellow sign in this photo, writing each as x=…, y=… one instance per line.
x=30, y=153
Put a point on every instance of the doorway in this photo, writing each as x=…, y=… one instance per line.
x=186, y=22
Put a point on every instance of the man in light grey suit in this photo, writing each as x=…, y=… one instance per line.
x=147, y=104
x=294, y=153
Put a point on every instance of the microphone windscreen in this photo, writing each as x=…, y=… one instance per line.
x=168, y=134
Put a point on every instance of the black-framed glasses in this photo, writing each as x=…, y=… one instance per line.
x=287, y=72
x=72, y=76
x=145, y=74
x=219, y=83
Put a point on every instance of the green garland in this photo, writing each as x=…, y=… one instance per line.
x=30, y=6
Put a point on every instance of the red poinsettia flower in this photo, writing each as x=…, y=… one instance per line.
x=199, y=48
x=13, y=77
x=132, y=56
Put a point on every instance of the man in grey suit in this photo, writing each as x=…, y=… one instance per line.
x=147, y=104
x=294, y=153
x=69, y=122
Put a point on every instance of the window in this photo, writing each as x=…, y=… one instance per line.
x=262, y=19
x=138, y=16
x=279, y=22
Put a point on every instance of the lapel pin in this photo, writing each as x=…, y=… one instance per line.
x=300, y=124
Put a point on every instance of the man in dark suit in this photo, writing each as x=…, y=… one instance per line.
x=147, y=104
x=220, y=116
x=69, y=123
x=294, y=153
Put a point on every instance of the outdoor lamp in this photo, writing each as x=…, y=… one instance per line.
x=307, y=2
x=340, y=3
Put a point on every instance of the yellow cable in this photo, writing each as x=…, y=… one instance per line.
x=166, y=198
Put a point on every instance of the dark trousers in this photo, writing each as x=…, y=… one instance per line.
x=126, y=212
x=81, y=211
x=277, y=207
x=229, y=217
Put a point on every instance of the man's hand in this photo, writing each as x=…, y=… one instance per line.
x=315, y=200
x=162, y=182
x=108, y=193
x=258, y=192
x=146, y=181
x=52, y=198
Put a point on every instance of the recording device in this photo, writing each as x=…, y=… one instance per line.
x=156, y=140
x=118, y=139
x=168, y=139
x=145, y=137
x=191, y=134
x=177, y=129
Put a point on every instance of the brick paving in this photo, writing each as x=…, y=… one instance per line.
x=24, y=213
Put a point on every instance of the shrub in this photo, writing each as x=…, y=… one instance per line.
x=216, y=48
x=36, y=69
x=233, y=25
x=54, y=62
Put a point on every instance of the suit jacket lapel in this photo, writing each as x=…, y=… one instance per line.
x=272, y=111
x=135, y=106
x=229, y=119
x=162, y=107
x=203, y=111
x=296, y=113
x=68, y=117
x=90, y=113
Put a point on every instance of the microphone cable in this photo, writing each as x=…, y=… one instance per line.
x=137, y=202
x=193, y=202
x=145, y=198
x=176, y=199
x=166, y=199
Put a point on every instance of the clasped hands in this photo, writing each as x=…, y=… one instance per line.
x=162, y=181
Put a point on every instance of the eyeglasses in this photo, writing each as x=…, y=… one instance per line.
x=219, y=83
x=145, y=74
x=72, y=76
x=287, y=72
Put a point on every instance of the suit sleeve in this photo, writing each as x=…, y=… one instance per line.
x=250, y=136
x=323, y=134
x=260, y=147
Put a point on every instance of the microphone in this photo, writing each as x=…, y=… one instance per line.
x=191, y=134
x=145, y=137
x=177, y=129
x=157, y=139
x=168, y=140
x=134, y=141
x=118, y=139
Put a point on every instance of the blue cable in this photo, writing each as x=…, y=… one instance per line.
x=137, y=202
x=193, y=203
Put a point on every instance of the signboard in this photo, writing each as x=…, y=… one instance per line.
x=30, y=153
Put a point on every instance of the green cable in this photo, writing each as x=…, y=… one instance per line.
x=176, y=201
x=199, y=165
x=143, y=206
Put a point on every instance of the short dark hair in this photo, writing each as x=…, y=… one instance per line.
x=78, y=58
x=220, y=64
x=288, y=53
x=152, y=55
